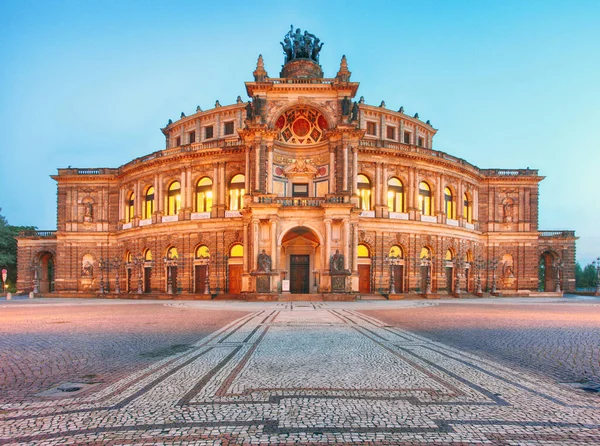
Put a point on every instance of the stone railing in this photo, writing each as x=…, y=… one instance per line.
x=301, y=81
x=301, y=201
x=34, y=233
x=88, y=171
x=557, y=234
x=509, y=172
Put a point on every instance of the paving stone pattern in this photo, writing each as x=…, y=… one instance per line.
x=318, y=373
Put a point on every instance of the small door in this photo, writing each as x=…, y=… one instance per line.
x=128, y=270
x=235, y=279
x=174, y=278
x=424, y=272
x=199, y=279
x=398, y=271
x=364, y=279
x=299, y=274
x=147, y=279
x=449, y=279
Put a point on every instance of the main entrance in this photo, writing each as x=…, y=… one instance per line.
x=299, y=274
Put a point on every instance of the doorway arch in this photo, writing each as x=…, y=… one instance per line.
x=301, y=255
x=46, y=272
x=547, y=271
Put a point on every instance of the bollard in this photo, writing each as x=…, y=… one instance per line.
x=31, y=295
x=8, y=296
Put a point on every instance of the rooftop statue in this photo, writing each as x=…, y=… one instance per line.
x=301, y=46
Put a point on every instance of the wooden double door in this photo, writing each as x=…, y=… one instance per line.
x=299, y=274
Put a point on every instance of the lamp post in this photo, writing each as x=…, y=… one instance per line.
x=559, y=266
x=205, y=260
x=116, y=264
x=169, y=264
x=426, y=262
x=479, y=264
x=138, y=261
x=102, y=266
x=36, y=278
x=392, y=261
x=493, y=264
x=596, y=263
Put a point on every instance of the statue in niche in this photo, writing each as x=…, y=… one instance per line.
x=345, y=106
x=354, y=113
x=264, y=261
x=249, y=114
x=507, y=211
x=87, y=270
x=88, y=215
x=337, y=261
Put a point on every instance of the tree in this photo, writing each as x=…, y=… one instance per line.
x=8, y=249
x=585, y=277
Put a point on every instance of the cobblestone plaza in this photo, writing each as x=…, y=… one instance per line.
x=375, y=372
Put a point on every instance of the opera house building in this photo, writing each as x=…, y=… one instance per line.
x=303, y=189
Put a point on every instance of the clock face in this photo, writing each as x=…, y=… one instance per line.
x=301, y=126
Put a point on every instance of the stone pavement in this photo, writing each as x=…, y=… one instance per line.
x=309, y=373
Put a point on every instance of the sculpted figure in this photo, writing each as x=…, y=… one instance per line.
x=287, y=48
x=249, y=114
x=264, y=261
x=87, y=270
x=316, y=49
x=88, y=216
x=337, y=261
x=345, y=106
x=354, y=115
x=508, y=211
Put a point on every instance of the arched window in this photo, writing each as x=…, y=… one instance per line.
x=236, y=250
x=148, y=256
x=395, y=195
x=425, y=198
x=364, y=192
x=172, y=253
x=236, y=192
x=202, y=252
x=467, y=208
x=128, y=257
x=363, y=251
x=204, y=195
x=396, y=252
x=174, y=198
x=449, y=203
x=425, y=253
x=149, y=203
x=449, y=256
x=130, y=207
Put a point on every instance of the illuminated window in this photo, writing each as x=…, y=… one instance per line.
x=395, y=195
x=363, y=251
x=236, y=192
x=449, y=203
x=174, y=198
x=228, y=128
x=204, y=195
x=236, y=251
x=425, y=198
x=148, y=255
x=128, y=257
x=130, y=207
x=396, y=252
x=208, y=132
x=149, y=203
x=202, y=252
x=467, y=208
x=364, y=193
x=172, y=253
x=425, y=253
x=449, y=256
x=371, y=128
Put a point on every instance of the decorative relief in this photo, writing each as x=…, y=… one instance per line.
x=301, y=126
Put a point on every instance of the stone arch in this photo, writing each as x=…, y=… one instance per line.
x=277, y=111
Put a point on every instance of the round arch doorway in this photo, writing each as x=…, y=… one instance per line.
x=301, y=256
x=547, y=271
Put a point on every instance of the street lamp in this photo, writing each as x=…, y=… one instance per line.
x=493, y=264
x=479, y=265
x=205, y=260
x=116, y=264
x=35, y=267
x=102, y=265
x=558, y=265
x=392, y=261
x=138, y=261
x=169, y=262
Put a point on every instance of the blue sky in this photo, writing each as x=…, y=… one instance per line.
x=509, y=84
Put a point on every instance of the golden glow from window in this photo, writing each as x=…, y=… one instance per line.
x=202, y=252
x=467, y=209
x=395, y=195
x=236, y=251
x=148, y=255
x=149, y=203
x=204, y=195
x=425, y=198
x=364, y=192
x=448, y=203
x=130, y=208
x=363, y=251
x=128, y=257
x=396, y=252
x=174, y=198
x=172, y=253
x=425, y=253
x=449, y=256
x=236, y=192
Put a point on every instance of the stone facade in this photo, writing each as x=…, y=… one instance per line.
x=339, y=195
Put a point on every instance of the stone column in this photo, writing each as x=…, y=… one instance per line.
x=415, y=191
x=384, y=186
x=245, y=242
x=247, y=170
x=121, y=204
x=459, y=200
x=377, y=194
x=257, y=167
x=254, y=244
x=409, y=192
x=222, y=181
x=138, y=200
x=475, y=205
x=354, y=248
x=183, y=189
x=346, y=243
x=327, y=243
x=270, y=168
x=215, y=185
x=332, y=188
x=274, y=250
x=190, y=189
x=439, y=197
x=158, y=195
x=345, y=175
x=354, y=170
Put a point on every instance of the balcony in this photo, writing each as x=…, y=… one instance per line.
x=34, y=233
x=557, y=234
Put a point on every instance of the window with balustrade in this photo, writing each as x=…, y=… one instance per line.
x=467, y=208
x=149, y=203
x=174, y=198
x=237, y=190
x=425, y=198
x=449, y=207
x=364, y=192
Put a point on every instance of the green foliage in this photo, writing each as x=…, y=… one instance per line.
x=585, y=277
x=8, y=249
